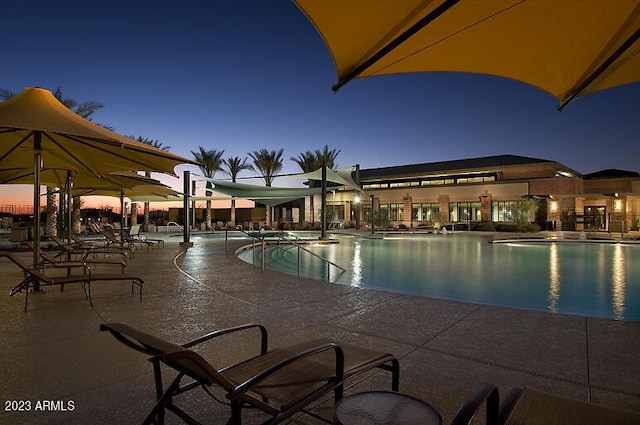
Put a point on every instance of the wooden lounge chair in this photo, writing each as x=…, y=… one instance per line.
x=34, y=276
x=280, y=382
x=530, y=407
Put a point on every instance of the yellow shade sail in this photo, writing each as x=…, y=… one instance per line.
x=564, y=47
x=35, y=120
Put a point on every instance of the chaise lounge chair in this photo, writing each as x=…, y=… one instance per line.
x=86, y=250
x=136, y=235
x=530, y=407
x=49, y=260
x=33, y=277
x=280, y=382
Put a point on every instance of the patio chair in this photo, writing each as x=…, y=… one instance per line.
x=117, y=240
x=85, y=250
x=49, y=260
x=136, y=235
x=33, y=276
x=280, y=382
x=530, y=407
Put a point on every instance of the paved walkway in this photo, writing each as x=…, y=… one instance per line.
x=447, y=350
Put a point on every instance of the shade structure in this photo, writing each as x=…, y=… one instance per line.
x=37, y=130
x=567, y=48
x=260, y=193
x=59, y=178
x=34, y=120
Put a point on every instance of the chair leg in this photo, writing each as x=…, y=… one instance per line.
x=236, y=413
x=163, y=401
x=157, y=374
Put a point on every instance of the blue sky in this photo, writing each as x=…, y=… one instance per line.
x=242, y=75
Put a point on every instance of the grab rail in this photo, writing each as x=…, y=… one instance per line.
x=173, y=223
x=281, y=238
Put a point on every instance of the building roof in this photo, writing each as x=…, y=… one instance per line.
x=611, y=172
x=448, y=166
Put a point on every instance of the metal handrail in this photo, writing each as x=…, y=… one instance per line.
x=280, y=237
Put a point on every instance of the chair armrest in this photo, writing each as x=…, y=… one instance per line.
x=488, y=393
x=249, y=383
x=220, y=332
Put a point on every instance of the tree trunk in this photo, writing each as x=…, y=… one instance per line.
x=76, y=227
x=51, y=210
x=233, y=213
x=133, y=219
x=208, y=213
x=146, y=217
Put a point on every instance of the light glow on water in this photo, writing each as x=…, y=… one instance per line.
x=587, y=279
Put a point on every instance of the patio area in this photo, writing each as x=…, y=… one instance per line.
x=447, y=350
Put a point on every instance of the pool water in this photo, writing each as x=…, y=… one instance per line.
x=587, y=279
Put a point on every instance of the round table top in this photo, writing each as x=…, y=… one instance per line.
x=384, y=408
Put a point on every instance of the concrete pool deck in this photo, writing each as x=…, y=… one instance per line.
x=447, y=349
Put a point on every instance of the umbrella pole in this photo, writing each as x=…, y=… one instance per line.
x=69, y=209
x=37, y=163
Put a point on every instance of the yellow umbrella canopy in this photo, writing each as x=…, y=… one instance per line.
x=36, y=130
x=58, y=178
x=135, y=193
x=35, y=121
x=567, y=48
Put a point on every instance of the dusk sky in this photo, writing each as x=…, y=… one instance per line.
x=241, y=75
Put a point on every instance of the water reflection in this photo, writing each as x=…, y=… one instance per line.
x=618, y=282
x=554, y=277
x=356, y=265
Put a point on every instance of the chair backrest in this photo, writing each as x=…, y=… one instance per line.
x=60, y=243
x=26, y=269
x=173, y=355
x=134, y=230
x=110, y=234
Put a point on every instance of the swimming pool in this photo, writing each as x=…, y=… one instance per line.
x=587, y=279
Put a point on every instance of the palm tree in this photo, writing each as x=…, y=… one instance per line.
x=85, y=110
x=269, y=164
x=159, y=145
x=327, y=158
x=233, y=166
x=308, y=162
x=211, y=162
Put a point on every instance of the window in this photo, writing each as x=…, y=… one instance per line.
x=426, y=212
x=503, y=211
x=395, y=211
x=464, y=211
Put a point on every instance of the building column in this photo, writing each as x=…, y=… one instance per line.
x=485, y=207
x=407, y=212
x=554, y=207
x=443, y=200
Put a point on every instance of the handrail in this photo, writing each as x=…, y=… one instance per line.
x=173, y=223
x=280, y=237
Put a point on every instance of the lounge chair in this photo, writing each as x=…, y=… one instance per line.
x=34, y=276
x=117, y=240
x=136, y=235
x=280, y=382
x=49, y=260
x=85, y=250
x=530, y=407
